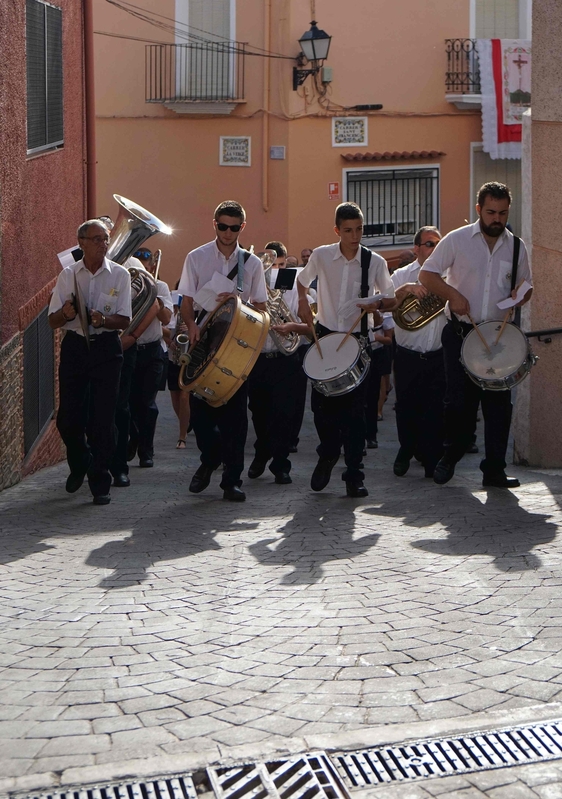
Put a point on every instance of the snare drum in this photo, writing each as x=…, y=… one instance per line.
x=336, y=373
x=508, y=363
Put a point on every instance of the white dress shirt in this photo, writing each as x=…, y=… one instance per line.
x=428, y=337
x=339, y=281
x=107, y=291
x=202, y=263
x=483, y=277
x=387, y=324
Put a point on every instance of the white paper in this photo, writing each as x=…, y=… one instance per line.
x=510, y=302
x=360, y=302
x=206, y=297
x=69, y=257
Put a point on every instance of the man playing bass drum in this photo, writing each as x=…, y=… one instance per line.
x=340, y=419
x=478, y=262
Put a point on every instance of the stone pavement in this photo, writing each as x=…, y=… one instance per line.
x=171, y=629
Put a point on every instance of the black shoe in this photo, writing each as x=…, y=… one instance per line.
x=74, y=481
x=257, y=468
x=443, y=471
x=201, y=479
x=356, y=490
x=500, y=480
x=401, y=464
x=472, y=448
x=121, y=480
x=234, y=494
x=146, y=463
x=293, y=449
x=131, y=451
x=322, y=473
x=372, y=443
x=102, y=499
x=283, y=478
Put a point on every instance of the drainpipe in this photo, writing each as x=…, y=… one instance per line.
x=266, y=96
x=90, y=109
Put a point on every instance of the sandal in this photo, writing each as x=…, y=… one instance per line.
x=181, y=443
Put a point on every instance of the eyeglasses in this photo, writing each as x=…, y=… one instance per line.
x=429, y=244
x=143, y=254
x=97, y=239
x=222, y=227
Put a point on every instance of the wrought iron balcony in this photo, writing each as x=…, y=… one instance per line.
x=462, y=79
x=198, y=78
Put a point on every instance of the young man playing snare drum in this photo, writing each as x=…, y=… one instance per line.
x=338, y=267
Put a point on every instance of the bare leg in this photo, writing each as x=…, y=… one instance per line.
x=180, y=404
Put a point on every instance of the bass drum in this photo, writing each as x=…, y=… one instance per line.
x=231, y=340
x=508, y=362
x=336, y=372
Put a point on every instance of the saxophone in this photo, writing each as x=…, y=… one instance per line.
x=179, y=343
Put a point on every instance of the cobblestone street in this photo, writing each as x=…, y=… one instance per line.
x=169, y=628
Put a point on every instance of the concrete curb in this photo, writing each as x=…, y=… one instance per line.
x=278, y=747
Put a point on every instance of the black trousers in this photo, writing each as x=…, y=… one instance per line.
x=272, y=393
x=461, y=405
x=301, y=385
x=89, y=387
x=144, y=388
x=119, y=463
x=221, y=433
x=419, y=379
x=341, y=420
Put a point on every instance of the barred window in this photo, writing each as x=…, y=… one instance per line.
x=395, y=202
x=44, y=76
x=38, y=378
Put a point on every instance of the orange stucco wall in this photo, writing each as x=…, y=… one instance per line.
x=386, y=53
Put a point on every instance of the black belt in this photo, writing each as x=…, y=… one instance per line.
x=148, y=344
x=92, y=338
x=422, y=355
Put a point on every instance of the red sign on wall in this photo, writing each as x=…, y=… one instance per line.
x=333, y=191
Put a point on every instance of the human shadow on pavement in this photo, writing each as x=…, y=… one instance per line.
x=320, y=531
x=499, y=527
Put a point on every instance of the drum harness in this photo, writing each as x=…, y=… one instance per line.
x=463, y=328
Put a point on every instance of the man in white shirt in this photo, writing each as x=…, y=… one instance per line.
x=477, y=261
x=273, y=388
x=341, y=420
x=221, y=432
x=419, y=370
x=91, y=301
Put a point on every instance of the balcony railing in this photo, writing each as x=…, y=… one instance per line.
x=463, y=68
x=194, y=73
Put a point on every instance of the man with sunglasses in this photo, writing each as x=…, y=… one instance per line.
x=419, y=371
x=91, y=357
x=221, y=432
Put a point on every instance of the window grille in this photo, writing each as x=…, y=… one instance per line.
x=395, y=203
x=44, y=76
x=38, y=378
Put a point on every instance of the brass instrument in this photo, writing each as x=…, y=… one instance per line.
x=278, y=311
x=155, y=263
x=413, y=314
x=133, y=226
x=179, y=344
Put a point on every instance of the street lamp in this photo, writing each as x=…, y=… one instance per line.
x=315, y=45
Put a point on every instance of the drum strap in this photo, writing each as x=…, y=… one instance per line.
x=366, y=256
x=236, y=271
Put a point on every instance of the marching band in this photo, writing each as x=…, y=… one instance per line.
x=243, y=332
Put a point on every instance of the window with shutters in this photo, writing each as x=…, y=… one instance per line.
x=209, y=71
x=395, y=202
x=44, y=76
x=504, y=170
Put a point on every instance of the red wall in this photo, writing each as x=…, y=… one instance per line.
x=41, y=197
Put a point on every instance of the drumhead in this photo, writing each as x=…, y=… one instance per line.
x=505, y=358
x=213, y=333
x=333, y=363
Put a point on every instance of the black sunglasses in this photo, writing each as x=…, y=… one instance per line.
x=142, y=254
x=222, y=227
x=429, y=244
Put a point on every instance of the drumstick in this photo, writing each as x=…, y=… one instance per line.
x=351, y=329
x=482, y=339
x=315, y=337
x=507, y=315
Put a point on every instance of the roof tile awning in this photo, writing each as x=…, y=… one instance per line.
x=406, y=155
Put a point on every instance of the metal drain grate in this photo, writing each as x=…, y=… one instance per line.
x=476, y=752
x=303, y=777
x=165, y=788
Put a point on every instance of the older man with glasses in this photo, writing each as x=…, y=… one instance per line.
x=91, y=302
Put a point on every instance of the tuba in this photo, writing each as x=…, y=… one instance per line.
x=278, y=311
x=413, y=314
x=133, y=226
